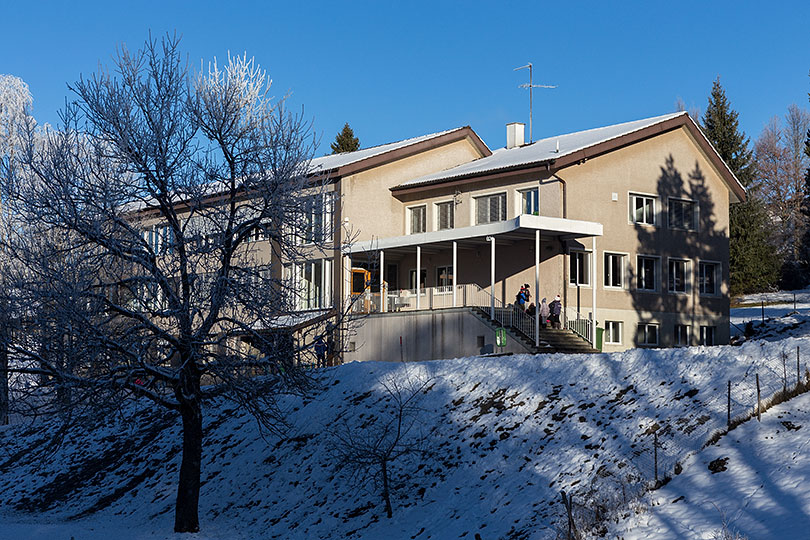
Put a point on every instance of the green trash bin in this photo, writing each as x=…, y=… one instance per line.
x=599, y=332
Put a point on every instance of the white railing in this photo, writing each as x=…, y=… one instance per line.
x=581, y=326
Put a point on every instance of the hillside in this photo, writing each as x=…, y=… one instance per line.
x=505, y=436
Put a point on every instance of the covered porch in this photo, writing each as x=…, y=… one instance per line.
x=481, y=267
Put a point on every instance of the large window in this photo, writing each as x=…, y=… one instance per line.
x=647, y=273
x=312, y=283
x=707, y=277
x=613, y=332
x=317, y=224
x=412, y=280
x=530, y=202
x=614, y=270
x=490, y=209
x=678, y=278
x=647, y=334
x=682, y=214
x=682, y=334
x=418, y=219
x=579, y=271
x=159, y=238
x=642, y=209
x=445, y=215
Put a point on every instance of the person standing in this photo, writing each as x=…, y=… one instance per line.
x=520, y=298
x=555, y=309
x=544, y=311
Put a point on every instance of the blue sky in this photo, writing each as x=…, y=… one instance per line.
x=396, y=70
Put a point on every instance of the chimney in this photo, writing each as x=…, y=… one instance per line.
x=514, y=134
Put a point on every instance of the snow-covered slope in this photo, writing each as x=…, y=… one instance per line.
x=505, y=435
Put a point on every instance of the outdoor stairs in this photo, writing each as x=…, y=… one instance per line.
x=552, y=340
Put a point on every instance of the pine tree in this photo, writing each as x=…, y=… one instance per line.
x=345, y=141
x=754, y=265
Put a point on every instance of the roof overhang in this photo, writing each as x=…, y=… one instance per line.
x=520, y=228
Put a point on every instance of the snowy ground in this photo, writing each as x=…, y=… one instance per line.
x=506, y=436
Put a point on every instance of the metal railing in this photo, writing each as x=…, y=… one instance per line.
x=580, y=326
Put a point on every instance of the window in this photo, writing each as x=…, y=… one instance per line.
x=647, y=334
x=614, y=270
x=445, y=213
x=613, y=332
x=412, y=280
x=678, y=275
x=257, y=234
x=444, y=278
x=642, y=209
x=707, y=335
x=682, y=214
x=392, y=276
x=707, y=278
x=647, y=276
x=579, y=272
x=682, y=334
x=159, y=239
x=311, y=282
x=317, y=222
x=418, y=219
x=490, y=209
x=530, y=202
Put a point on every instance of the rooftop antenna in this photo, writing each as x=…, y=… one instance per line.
x=531, y=88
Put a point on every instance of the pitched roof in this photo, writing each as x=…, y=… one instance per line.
x=335, y=162
x=562, y=150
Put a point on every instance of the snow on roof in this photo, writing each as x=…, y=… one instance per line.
x=548, y=149
x=331, y=162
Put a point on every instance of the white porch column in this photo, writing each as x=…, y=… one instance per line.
x=537, y=288
x=455, y=271
x=418, y=274
x=593, y=292
x=491, y=240
x=383, y=291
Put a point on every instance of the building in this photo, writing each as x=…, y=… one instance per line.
x=627, y=223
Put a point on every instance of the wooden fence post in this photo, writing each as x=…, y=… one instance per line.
x=655, y=454
x=728, y=419
x=759, y=402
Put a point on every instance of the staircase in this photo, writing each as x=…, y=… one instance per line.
x=551, y=340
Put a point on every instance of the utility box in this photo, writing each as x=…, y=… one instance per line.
x=599, y=334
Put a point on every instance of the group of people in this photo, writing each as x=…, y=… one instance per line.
x=549, y=312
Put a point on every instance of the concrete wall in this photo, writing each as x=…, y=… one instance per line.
x=426, y=335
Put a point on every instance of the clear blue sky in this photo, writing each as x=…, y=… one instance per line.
x=399, y=69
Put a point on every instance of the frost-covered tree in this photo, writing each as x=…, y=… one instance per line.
x=15, y=106
x=148, y=234
x=345, y=141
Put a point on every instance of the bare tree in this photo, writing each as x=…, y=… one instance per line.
x=781, y=167
x=368, y=451
x=15, y=105
x=148, y=235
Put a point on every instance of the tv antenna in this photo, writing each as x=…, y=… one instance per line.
x=531, y=88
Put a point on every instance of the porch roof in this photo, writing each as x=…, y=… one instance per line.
x=522, y=227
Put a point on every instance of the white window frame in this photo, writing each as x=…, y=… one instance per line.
x=676, y=335
x=656, y=277
x=695, y=220
x=646, y=342
x=717, y=275
x=409, y=218
x=522, y=193
x=622, y=269
x=704, y=330
x=320, y=296
x=686, y=275
x=448, y=288
x=474, y=206
x=631, y=208
x=437, y=212
x=614, y=336
x=588, y=264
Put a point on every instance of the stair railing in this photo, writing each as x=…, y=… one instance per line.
x=580, y=326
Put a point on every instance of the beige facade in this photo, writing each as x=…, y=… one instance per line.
x=657, y=194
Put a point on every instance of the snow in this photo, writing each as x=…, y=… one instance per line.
x=551, y=148
x=507, y=434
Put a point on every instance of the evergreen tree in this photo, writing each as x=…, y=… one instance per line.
x=754, y=265
x=345, y=141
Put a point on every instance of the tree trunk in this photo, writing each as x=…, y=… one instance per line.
x=186, y=518
x=386, y=493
